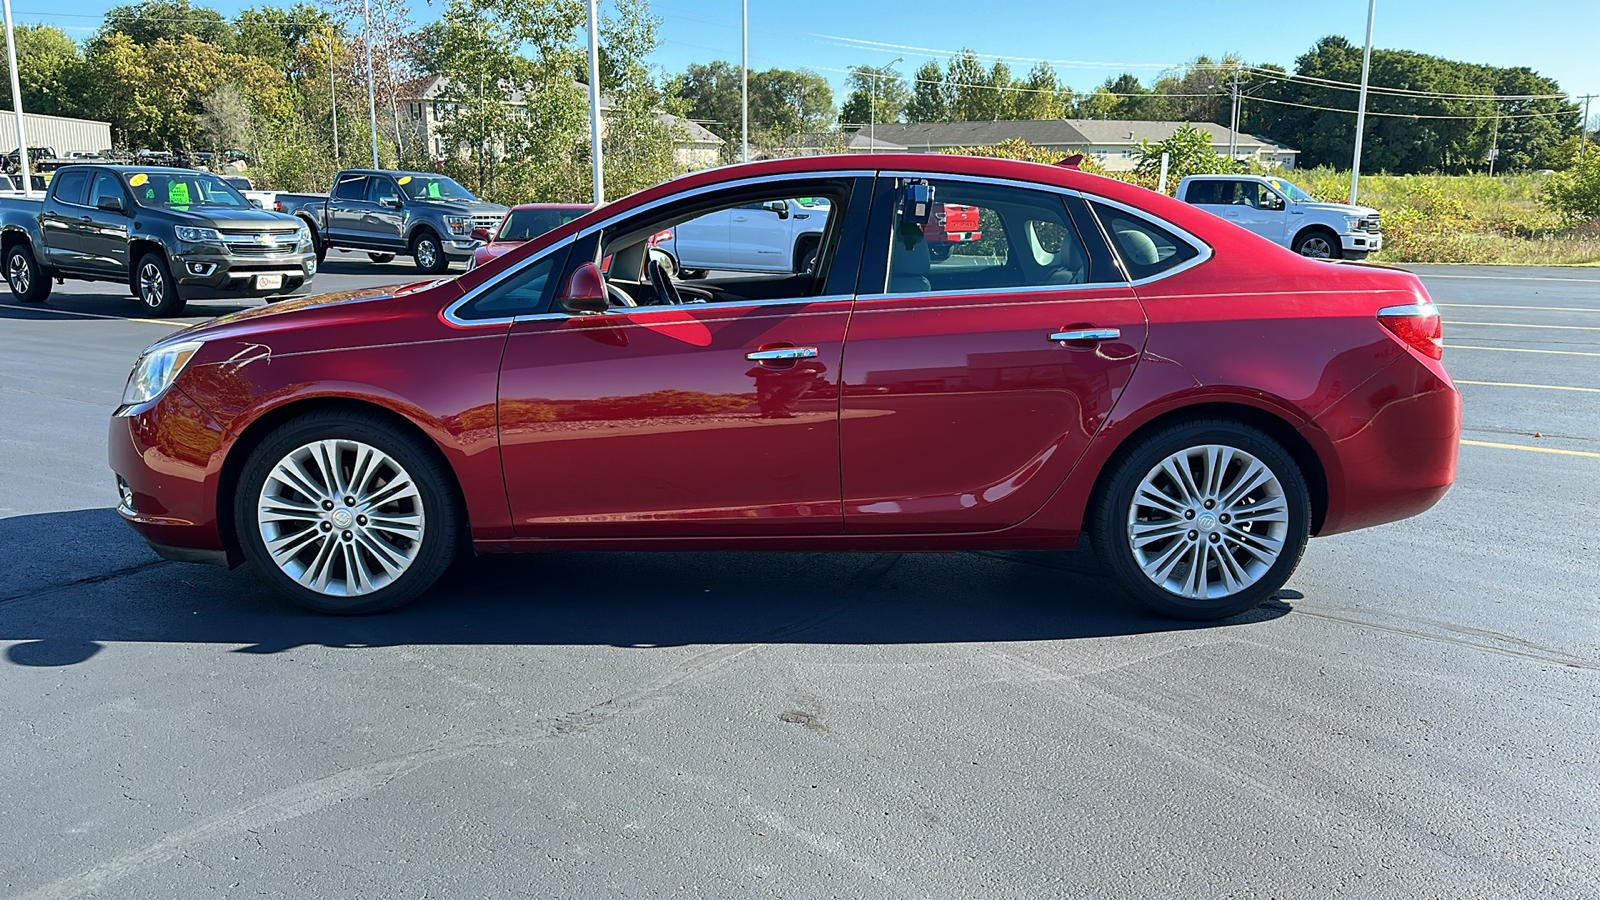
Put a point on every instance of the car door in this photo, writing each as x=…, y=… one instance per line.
x=973, y=383
x=702, y=242
x=347, y=207
x=761, y=237
x=712, y=418
x=1262, y=211
x=384, y=221
x=63, y=217
x=105, y=235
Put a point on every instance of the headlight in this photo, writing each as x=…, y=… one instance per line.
x=461, y=225
x=305, y=235
x=1352, y=223
x=198, y=235
x=156, y=370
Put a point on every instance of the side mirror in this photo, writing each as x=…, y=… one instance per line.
x=585, y=291
x=109, y=203
x=781, y=207
x=481, y=235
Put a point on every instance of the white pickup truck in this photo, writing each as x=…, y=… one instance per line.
x=776, y=236
x=1281, y=212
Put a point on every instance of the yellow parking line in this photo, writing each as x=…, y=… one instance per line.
x=1542, y=387
x=1517, y=306
x=1529, y=449
x=1520, y=325
x=171, y=323
x=1519, y=350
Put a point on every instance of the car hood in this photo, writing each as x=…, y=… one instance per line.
x=232, y=219
x=1338, y=209
x=286, y=314
x=460, y=208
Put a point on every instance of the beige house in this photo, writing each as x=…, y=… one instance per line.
x=697, y=148
x=1114, y=143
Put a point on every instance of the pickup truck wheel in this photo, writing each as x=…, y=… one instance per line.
x=429, y=255
x=692, y=273
x=157, y=290
x=1317, y=243
x=939, y=251
x=380, y=257
x=28, y=284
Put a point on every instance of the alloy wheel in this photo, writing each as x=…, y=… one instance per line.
x=341, y=517
x=1208, y=522
x=1316, y=248
x=19, y=274
x=427, y=253
x=152, y=287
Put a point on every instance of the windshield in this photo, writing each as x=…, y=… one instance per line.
x=1291, y=190
x=182, y=190
x=432, y=187
x=527, y=224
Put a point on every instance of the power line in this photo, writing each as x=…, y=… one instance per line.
x=1403, y=92
x=1540, y=115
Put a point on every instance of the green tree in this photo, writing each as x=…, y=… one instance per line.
x=478, y=116
x=51, y=70
x=1043, y=95
x=1575, y=193
x=978, y=94
x=930, y=99
x=149, y=21
x=1188, y=152
x=276, y=36
x=786, y=102
x=711, y=95
x=872, y=88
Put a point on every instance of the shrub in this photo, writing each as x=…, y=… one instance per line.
x=1575, y=193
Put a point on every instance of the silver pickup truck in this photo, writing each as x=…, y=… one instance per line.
x=168, y=234
x=426, y=216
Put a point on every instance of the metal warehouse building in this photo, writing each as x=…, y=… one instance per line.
x=59, y=134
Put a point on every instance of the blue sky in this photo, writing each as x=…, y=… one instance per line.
x=1554, y=37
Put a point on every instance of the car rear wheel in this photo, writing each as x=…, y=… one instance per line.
x=1203, y=519
x=428, y=253
x=1318, y=244
x=343, y=513
x=28, y=284
x=155, y=288
x=380, y=257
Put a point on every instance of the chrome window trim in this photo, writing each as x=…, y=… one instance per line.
x=1204, y=249
x=450, y=311
x=984, y=292
x=985, y=179
x=730, y=304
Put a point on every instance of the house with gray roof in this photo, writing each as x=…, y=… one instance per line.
x=1114, y=143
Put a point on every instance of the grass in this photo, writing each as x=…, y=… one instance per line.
x=1462, y=218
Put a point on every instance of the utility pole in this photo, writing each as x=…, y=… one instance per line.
x=1583, y=128
x=16, y=106
x=333, y=99
x=594, y=104
x=1233, y=124
x=1494, y=140
x=1361, y=109
x=744, y=80
x=372, y=103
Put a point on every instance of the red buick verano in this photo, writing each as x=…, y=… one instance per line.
x=1103, y=361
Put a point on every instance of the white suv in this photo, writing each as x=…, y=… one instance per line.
x=1281, y=212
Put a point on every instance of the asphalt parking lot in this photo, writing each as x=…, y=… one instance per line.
x=1416, y=716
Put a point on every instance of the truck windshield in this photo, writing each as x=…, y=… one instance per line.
x=432, y=187
x=1291, y=190
x=183, y=190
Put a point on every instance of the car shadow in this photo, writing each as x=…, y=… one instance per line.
x=84, y=580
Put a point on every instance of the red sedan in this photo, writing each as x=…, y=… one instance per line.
x=1103, y=361
x=522, y=224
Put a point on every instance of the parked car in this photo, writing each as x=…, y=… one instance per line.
x=1278, y=210
x=949, y=225
x=772, y=236
x=426, y=216
x=168, y=234
x=1195, y=399
x=522, y=224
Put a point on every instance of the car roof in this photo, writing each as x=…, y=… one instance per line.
x=553, y=206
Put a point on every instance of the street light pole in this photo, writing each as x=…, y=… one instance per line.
x=333, y=99
x=1233, y=122
x=1361, y=108
x=1583, y=128
x=594, y=104
x=372, y=102
x=744, y=81
x=16, y=106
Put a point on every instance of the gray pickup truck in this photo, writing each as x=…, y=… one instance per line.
x=170, y=235
x=426, y=216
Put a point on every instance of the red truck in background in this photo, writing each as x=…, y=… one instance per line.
x=951, y=223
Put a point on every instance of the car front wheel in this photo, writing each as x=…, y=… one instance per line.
x=344, y=513
x=1203, y=519
x=1318, y=245
x=155, y=288
x=428, y=253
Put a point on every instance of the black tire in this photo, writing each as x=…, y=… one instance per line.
x=441, y=518
x=381, y=257
x=428, y=253
x=805, y=255
x=154, y=286
x=316, y=241
x=939, y=251
x=692, y=273
x=1317, y=243
x=1113, y=507
x=29, y=284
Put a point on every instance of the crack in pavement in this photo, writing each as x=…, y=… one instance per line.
x=112, y=575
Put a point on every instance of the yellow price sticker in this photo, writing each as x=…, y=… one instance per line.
x=406, y=180
x=138, y=179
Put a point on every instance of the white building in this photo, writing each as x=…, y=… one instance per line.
x=59, y=134
x=1114, y=143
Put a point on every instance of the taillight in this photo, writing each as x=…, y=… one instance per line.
x=1417, y=325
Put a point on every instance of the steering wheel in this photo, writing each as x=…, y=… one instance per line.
x=666, y=292
x=619, y=297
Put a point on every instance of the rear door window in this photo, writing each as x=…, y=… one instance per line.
x=1204, y=193
x=1144, y=247
x=351, y=187
x=71, y=185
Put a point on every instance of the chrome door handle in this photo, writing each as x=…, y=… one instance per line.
x=1088, y=334
x=781, y=353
